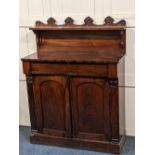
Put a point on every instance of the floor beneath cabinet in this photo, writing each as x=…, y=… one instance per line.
x=25, y=148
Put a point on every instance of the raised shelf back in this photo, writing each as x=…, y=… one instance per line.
x=109, y=37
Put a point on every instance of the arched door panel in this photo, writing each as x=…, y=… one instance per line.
x=52, y=105
x=91, y=108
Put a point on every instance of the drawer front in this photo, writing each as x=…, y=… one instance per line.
x=69, y=69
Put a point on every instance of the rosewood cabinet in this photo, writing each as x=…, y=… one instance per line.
x=73, y=83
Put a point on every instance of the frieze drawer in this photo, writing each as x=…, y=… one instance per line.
x=69, y=69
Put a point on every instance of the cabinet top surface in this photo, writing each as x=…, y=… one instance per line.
x=75, y=57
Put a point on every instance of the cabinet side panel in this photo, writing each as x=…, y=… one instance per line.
x=121, y=77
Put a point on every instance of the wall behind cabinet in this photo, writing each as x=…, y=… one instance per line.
x=32, y=10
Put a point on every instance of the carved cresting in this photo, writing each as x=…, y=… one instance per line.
x=88, y=21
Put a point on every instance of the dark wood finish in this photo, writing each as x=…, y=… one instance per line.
x=26, y=66
x=90, y=99
x=69, y=69
x=75, y=57
x=103, y=146
x=29, y=80
x=108, y=37
x=51, y=102
x=88, y=21
x=114, y=109
x=72, y=84
x=81, y=41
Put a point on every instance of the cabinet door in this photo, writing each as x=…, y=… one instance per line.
x=52, y=105
x=90, y=101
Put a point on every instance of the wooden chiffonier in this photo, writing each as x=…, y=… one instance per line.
x=74, y=84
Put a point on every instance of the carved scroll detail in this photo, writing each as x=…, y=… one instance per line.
x=69, y=21
x=121, y=22
x=51, y=21
x=109, y=20
x=88, y=21
x=39, y=23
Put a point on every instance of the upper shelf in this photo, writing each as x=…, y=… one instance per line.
x=88, y=25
